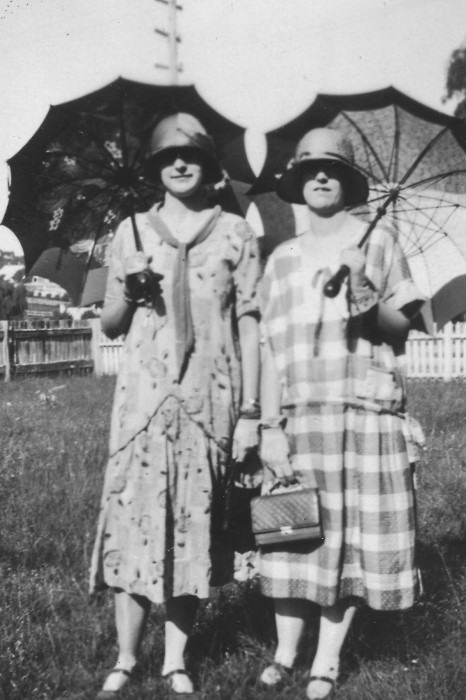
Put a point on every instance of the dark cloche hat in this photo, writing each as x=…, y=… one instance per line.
x=324, y=145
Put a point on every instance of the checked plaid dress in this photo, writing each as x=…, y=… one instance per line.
x=344, y=395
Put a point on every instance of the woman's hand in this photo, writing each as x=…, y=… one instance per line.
x=392, y=324
x=353, y=257
x=245, y=438
x=116, y=316
x=275, y=453
x=138, y=262
x=142, y=285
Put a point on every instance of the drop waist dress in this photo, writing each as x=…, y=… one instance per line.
x=344, y=396
x=158, y=532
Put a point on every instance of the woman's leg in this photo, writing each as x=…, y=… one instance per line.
x=130, y=618
x=181, y=612
x=334, y=625
x=290, y=619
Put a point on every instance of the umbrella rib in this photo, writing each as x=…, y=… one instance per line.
x=393, y=162
x=79, y=156
x=381, y=197
x=138, y=157
x=418, y=251
x=434, y=178
x=134, y=165
x=97, y=195
x=431, y=225
x=415, y=241
x=79, y=182
x=95, y=137
x=438, y=202
x=371, y=148
x=421, y=155
x=124, y=148
x=433, y=207
x=97, y=236
x=73, y=182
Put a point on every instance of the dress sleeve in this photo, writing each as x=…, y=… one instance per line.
x=388, y=269
x=247, y=272
x=116, y=276
x=273, y=316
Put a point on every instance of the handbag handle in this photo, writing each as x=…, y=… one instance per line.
x=291, y=483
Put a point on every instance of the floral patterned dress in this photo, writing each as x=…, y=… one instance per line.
x=159, y=532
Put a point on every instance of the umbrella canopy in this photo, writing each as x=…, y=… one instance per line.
x=415, y=161
x=82, y=172
x=431, y=227
x=63, y=268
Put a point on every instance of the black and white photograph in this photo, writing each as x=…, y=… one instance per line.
x=233, y=349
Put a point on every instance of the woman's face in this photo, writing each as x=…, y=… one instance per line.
x=182, y=172
x=323, y=189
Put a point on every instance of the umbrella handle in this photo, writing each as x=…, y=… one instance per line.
x=333, y=286
x=137, y=237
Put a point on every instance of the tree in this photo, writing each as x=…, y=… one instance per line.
x=12, y=300
x=456, y=80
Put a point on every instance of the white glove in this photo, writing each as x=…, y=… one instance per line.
x=245, y=438
x=353, y=257
x=275, y=452
x=138, y=262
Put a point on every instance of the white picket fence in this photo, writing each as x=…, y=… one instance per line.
x=439, y=357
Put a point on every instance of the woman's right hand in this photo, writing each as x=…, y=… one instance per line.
x=138, y=262
x=142, y=285
x=275, y=452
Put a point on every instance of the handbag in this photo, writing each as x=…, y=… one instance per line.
x=237, y=523
x=288, y=513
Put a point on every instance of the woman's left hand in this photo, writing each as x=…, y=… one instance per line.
x=353, y=257
x=245, y=438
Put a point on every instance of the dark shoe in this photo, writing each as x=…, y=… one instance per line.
x=275, y=674
x=174, y=686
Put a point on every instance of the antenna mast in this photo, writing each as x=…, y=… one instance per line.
x=173, y=40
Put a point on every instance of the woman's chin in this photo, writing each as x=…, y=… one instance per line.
x=186, y=192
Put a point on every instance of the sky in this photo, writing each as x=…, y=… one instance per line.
x=259, y=62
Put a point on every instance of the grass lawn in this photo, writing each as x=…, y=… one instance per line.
x=57, y=643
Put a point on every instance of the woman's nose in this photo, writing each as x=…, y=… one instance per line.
x=180, y=164
x=321, y=176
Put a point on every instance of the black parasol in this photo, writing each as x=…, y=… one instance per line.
x=82, y=173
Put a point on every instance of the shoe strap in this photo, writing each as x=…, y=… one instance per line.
x=124, y=671
x=326, y=679
x=183, y=672
x=282, y=667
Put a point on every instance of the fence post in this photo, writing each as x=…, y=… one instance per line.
x=447, y=333
x=96, y=351
x=5, y=350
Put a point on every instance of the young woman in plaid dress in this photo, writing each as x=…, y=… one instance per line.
x=333, y=397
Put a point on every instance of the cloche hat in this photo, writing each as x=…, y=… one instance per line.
x=324, y=145
x=177, y=132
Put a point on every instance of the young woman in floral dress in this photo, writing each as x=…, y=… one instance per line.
x=186, y=389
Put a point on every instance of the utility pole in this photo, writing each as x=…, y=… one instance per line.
x=173, y=40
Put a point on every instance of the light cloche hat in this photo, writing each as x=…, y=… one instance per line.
x=324, y=145
x=177, y=132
